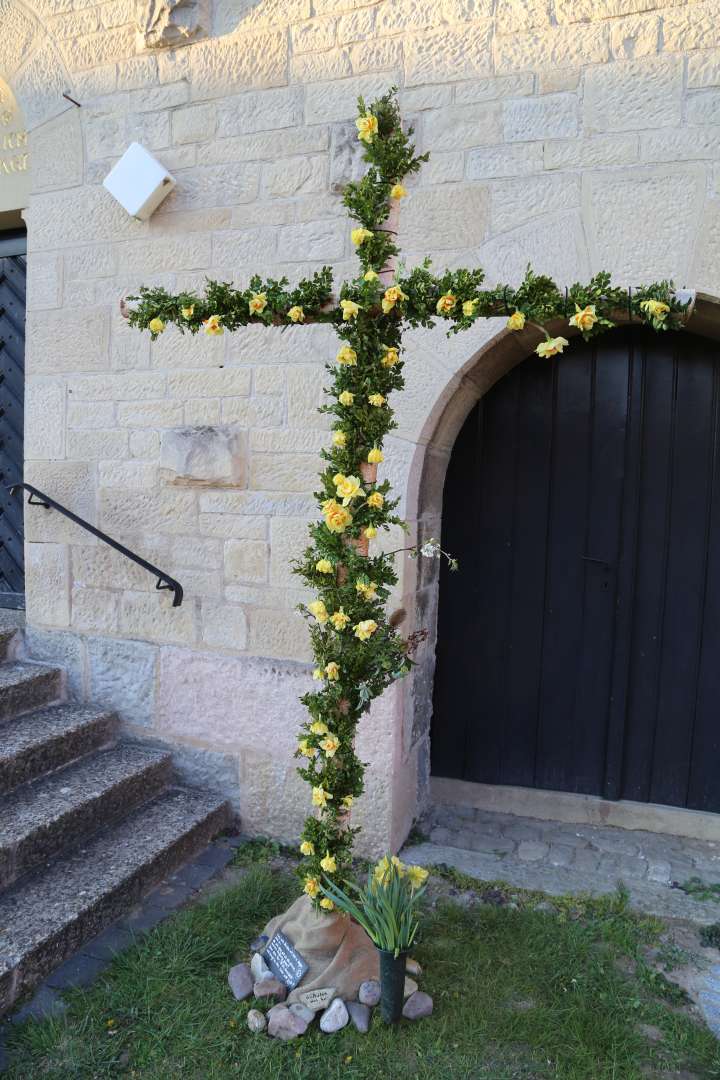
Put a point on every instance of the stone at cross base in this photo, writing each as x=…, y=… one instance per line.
x=337, y=950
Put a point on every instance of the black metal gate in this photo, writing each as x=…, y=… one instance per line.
x=579, y=644
x=12, y=350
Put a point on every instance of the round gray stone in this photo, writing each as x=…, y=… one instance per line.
x=360, y=1015
x=417, y=1006
x=297, y=1007
x=335, y=1017
x=256, y=1021
x=369, y=992
x=241, y=981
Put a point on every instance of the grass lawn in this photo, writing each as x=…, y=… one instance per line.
x=518, y=993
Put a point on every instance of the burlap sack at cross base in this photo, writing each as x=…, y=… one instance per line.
x=339, y=952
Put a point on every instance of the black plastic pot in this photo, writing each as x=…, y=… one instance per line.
x=392, y=985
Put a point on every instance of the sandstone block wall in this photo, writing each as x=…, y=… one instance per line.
x=575, y=135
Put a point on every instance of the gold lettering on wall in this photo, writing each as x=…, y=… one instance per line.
x=14, y=155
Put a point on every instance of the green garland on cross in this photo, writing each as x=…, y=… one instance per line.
x=357, y=650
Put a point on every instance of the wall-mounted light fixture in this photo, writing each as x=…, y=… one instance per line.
x=139, y=182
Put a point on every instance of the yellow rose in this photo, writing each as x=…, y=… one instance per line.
x=312, y=886
x=376, y=456
x=348, y=487
x=187, y=312
x=257, y=303
x=328, y=864
x=359, y=236
x=296, y=314
x=552, y=346
x=307, y=848
x=397, y=191
x=366, y=589
x=324, y=566
x=339, y=438
x=445, y=304
x=375, y=500
x=327, y=904
x=377, y=400
x=584, y=318
x=367, y=127
x=516, y=321
x=365, y=629
x=469, y=308
x=318, y=727
x=337, y=518
x=390, y=358
x=339, y=619
x=318, y=609
x=347, y=356
x=332, y=670
x=306, y=750
x=417, y=876
x=370, y=275
x=347, y=801
x=320, y=797
x=330, y=745
x=156, y=326
x=656, y=309
x=349, y=309
x=213, y=326
x=392, y=296
x=346, y=398
x=371, y=532
x=318, y=673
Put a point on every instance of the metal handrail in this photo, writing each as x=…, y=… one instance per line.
x=164, y=581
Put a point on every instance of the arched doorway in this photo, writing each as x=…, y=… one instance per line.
x=578, y=646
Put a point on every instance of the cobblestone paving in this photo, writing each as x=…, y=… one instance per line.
x=560, y=858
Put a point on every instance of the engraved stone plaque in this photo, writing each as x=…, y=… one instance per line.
x=284, y=960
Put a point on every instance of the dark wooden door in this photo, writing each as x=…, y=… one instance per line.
x=12, y=366
x=579, y=643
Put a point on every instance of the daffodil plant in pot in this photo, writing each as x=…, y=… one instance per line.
x=387, y=908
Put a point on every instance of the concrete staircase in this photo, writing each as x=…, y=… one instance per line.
x=88, y=823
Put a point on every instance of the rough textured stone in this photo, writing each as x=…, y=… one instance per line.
x=270, y=987
x=369, y=992
x=256, y=1021
x=418, y=1006
x=316, y=1000
x=258, y=967
x=248, y=61
x=241, y=981
x=285, y=1024
x=446, y=218
x=621, y=96
x=557, y=46
x=335, y=1017
x=303, y=1011
x=554, y=116
x=449, y=54
x=164, y=23
x=462, y=128
x=203, y=455
x=360, y=1016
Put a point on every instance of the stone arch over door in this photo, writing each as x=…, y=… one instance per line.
x=501, y=353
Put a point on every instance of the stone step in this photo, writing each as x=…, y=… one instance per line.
x=11, y=622
x=41, y=818
x=24, y=687
x=40, y=742
x=47, y=918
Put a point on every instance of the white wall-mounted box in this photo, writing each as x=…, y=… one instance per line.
x=139, y=182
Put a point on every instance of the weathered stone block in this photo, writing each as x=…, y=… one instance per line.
x=495, y=161
x=356, y=26
x=262, y=146
x=312, y=66
x=164, y=24
x=44, y=418
x=685, y=144
x=622, y=96
x=514, y=15
x=463, y=128
x=256, y=412
x=59, y=218
x=67, y=340
x=151, y=617
x=383, y=54
x=232, y=526
x=122, y=676
x=225, y=65
x=589, y=153
x=492, y=89
x=530, y=119
x=448, y=168
x=167, y=512
x=283, y=472
x=203, y=455
x=129, y=475
x=615, y=202
x=556, y=241
x=703, y=108
x=454, y=217
x=288, y=536
x=636, y=36
x=703, y=69
x=246, y=560
x=224, y=626
x=264, y=111
x=320, y=240
x=58, y=144
x=449, y=54
x=215, y=185
x=154, y=256
x=228, y=382
x=295, y=176
x=48, y=584
x=71, y=484
x=149, y=413
x=691, y=27
x=285, y=638
x=108, y=444
x=516, y=201
x=19, y=31
x=326, y=102
x=563, y=46
x=94, y=610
